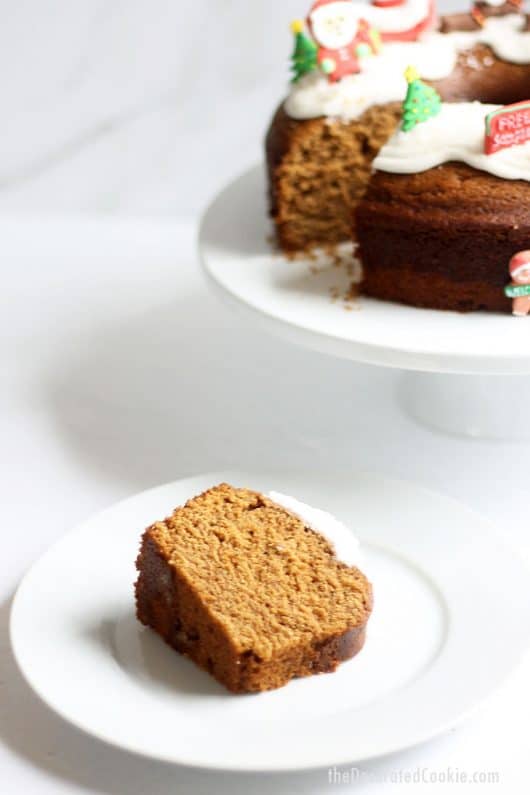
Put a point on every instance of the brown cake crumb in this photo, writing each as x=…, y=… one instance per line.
x=243, y=588
x=318, y=171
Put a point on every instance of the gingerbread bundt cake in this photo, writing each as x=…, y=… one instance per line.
x=324, y=142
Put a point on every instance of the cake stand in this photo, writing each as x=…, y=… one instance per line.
x=465, y=373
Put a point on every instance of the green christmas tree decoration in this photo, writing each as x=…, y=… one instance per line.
x=421, y=103
x=304, y=57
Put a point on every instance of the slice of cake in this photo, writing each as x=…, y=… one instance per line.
x=249, y=591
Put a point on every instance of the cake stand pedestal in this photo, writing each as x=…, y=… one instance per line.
x=477, y=406
x=465, y=373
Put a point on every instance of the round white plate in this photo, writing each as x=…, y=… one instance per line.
x=451, y=619
x=290, y=299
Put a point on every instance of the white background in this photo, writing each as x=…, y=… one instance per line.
x=121, y=371
x=136, y=106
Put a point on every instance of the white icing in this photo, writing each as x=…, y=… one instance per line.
x=504, y=35
x=399, y=18
x=382, y=80
x=456, y=133
x=346, y=545
x=434, y=55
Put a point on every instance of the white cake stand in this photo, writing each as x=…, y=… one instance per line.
x=454, y=361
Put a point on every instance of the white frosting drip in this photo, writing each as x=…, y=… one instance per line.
x=456, y=133
x=504, y=35
x=398, y=19
x=382, y=79
x=346, y=545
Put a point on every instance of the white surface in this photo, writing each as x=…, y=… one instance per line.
x=430, y=561
x=292, y=299
x=120, y=371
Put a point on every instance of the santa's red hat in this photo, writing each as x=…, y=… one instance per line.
x=519, y=262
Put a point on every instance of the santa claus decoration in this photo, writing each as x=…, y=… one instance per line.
x=343, y=37
x=519, y=289
x=402, y=20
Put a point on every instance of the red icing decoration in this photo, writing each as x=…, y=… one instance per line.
x=345, y=59
x=388, y=3
x=369, y=36
x=412, y=34
x=506, y=127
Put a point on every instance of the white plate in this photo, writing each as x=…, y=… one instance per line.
x=287, y=298
x=451, y=619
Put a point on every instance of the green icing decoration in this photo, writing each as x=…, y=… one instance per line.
x=517, y=290
x=304, y=57
x=421, y=103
